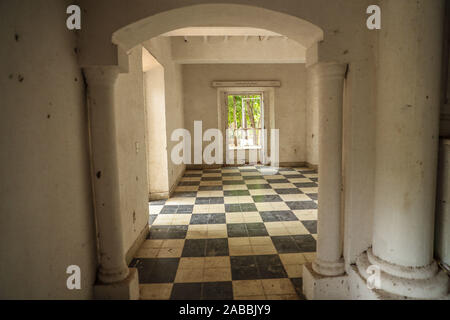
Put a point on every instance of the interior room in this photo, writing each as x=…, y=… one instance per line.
x=179, y=150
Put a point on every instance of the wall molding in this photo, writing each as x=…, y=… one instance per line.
x=249, y=83
x=137, y=244
x=177, y=181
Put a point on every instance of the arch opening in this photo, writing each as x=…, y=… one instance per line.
x=218, y=15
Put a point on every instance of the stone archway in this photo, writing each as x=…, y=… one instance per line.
x=326, y=82
x=223, y=15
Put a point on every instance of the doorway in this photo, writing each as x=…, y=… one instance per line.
x=245, y=126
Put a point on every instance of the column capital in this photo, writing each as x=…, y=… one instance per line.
x=101, y=75
x=328, y=70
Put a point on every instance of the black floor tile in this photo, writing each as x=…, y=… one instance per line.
x=177, y=209
x=236, y=193
x=192, y=175
x=232, y=207
x=285, y=215
x=157, y=202
x=187, y=194
x=169, y=210
x=277, y=180
x=244, y=273
x=185, y=209
x=152, y=270
x=271, y=271
x=268, y=216
x=189, y=183
x=286, y=169
x=232, y=182
x=267, y=198
x=305, y=185
x=270, y=259
x=248, y=207
x=294, y=176
x=274, y=216
x=240, y=207
x=167, y=232
x=217, y=247
x=217, y=291
x=199, y=219
x=301, y=205
x=186, y=291
x=212, y=171
x=306, y=243
x=194, y=248
x=252, y=177
x=231, y=174
x=216, y=218
x=313, y=196
x=244, y=268
x=211, y=178
x=256, y=230
x=210, y=188
x=288, y=191
x=236, y=230
x=311, y=226
x=258, y=186
x=298, y=286
x=257, y=267
x=285, y=244
x=209, y=200
x=242, y=261
x=152, y=218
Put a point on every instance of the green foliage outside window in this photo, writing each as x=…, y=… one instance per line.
x=252, y=106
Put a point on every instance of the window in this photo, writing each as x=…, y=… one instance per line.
x=245, y=118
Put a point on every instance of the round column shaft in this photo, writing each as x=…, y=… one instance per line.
x=101, y=81
x=312, y=120
x=327, y=80
x=407, y=115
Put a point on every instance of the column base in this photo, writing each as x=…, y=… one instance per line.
x=329, y=269
x=398, y=282
x=113, y=275
x=127, y=289
x=320, y=287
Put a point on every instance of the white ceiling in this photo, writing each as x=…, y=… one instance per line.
x=220, y=31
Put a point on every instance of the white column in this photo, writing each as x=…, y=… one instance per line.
x=407, y=115
x=103, y=135
x=327, y=80
x=312, y=121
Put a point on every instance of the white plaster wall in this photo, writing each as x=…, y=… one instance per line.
x=155, y=100
x=160, y=48
x=237, y=49
x=445, y=108
x=200, y=99
x=46, y=211
x=129, y=94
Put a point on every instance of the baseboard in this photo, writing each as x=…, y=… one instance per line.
x=137, y=244
x=218, y=166
x=158, y=196
x=203, y=166
x=292, y=164
x=312, y=166
x=177, y=181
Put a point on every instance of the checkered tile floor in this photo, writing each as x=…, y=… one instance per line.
x=231, y=233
